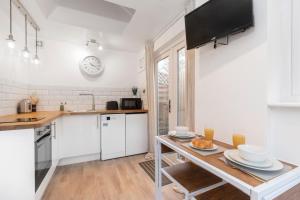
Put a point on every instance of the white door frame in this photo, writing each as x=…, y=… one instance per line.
x=171, y=52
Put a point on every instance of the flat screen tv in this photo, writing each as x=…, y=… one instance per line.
x=216, y=19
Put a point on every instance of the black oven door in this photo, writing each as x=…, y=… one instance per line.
x=43, y=157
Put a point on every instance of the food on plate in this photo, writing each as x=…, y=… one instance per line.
x=202, y=143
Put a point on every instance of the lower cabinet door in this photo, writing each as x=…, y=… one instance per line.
x=80, y=136
x=136, y=134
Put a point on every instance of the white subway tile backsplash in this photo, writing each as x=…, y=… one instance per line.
x=50, y=97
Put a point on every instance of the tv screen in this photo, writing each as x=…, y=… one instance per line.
x=216, y=19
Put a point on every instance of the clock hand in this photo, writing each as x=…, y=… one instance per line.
x=93, y=65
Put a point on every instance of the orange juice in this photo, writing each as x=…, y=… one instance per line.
x=238, y=139
x=209, y=133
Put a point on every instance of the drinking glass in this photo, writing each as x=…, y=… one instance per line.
x=209, y=133
x=238, y=139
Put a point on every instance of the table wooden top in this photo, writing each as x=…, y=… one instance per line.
x=49, y=116
x=215, y=161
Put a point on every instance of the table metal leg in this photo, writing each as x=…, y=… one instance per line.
x=158, y=174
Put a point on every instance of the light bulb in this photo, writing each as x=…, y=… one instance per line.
x=26, y=53
x=100, y=48
x=11, y=42
x=36, y=60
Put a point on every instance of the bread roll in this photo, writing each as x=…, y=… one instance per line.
x=202, y=143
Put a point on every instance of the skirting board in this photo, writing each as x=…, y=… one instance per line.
x=79, y=159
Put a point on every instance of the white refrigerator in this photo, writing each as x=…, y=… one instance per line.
x=112, y=136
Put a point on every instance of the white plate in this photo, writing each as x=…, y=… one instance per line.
x=215, y=147
x=187, y=136
x=235, y=155
x=276, y=166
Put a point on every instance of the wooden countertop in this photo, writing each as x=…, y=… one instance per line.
x=103, y=112
x=49, y=116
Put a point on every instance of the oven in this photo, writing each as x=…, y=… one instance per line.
x=43, y=153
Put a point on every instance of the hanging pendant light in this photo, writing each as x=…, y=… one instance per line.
x=36, y=59
x=10, y=41
x=26, y=52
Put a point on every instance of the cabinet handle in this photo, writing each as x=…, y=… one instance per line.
x=169, y=106
x=54, y=126
x=97, y=121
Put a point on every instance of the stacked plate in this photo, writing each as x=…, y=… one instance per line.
x=182, y=132
x=253, y=157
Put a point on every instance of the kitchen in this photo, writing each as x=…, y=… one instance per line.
x=67, y=138
x=122, y=99
x=69, y=107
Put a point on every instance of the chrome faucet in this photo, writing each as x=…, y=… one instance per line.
x=93, y=100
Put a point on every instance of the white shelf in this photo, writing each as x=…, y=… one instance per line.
x=284, y=105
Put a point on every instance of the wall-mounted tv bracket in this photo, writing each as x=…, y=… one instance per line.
x=216, y=43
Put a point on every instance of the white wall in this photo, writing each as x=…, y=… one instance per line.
x=284, y=133
x=60, y=62
x=142, y=82
x=60, y=66
x=59, y=69
x=170, y=34
x=231, y=83
x=12, y=64
x=284, y=123
x=236, y=82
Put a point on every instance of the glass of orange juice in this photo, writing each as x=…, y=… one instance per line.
x=238, y=139
x=209, y=133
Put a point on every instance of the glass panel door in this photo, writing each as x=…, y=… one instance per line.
x=181, y=87
x=163, y=95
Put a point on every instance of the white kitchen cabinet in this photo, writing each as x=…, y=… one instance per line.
x=17, y=165
x=112, y=136
x=80, y=136
x=56, y=134
x=136, y=134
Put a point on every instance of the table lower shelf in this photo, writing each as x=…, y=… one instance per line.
x=224, y=192
x=190, y=176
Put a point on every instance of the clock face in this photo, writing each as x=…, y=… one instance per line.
x=92, y=66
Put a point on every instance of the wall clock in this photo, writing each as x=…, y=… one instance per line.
x=91, y=66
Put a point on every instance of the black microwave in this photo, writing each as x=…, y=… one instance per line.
x=131, y=103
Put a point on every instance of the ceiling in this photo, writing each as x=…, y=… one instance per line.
x=118, y=24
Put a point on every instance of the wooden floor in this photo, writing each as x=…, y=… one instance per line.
x=119, y=179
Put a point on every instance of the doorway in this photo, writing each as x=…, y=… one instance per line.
x=171, y=88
